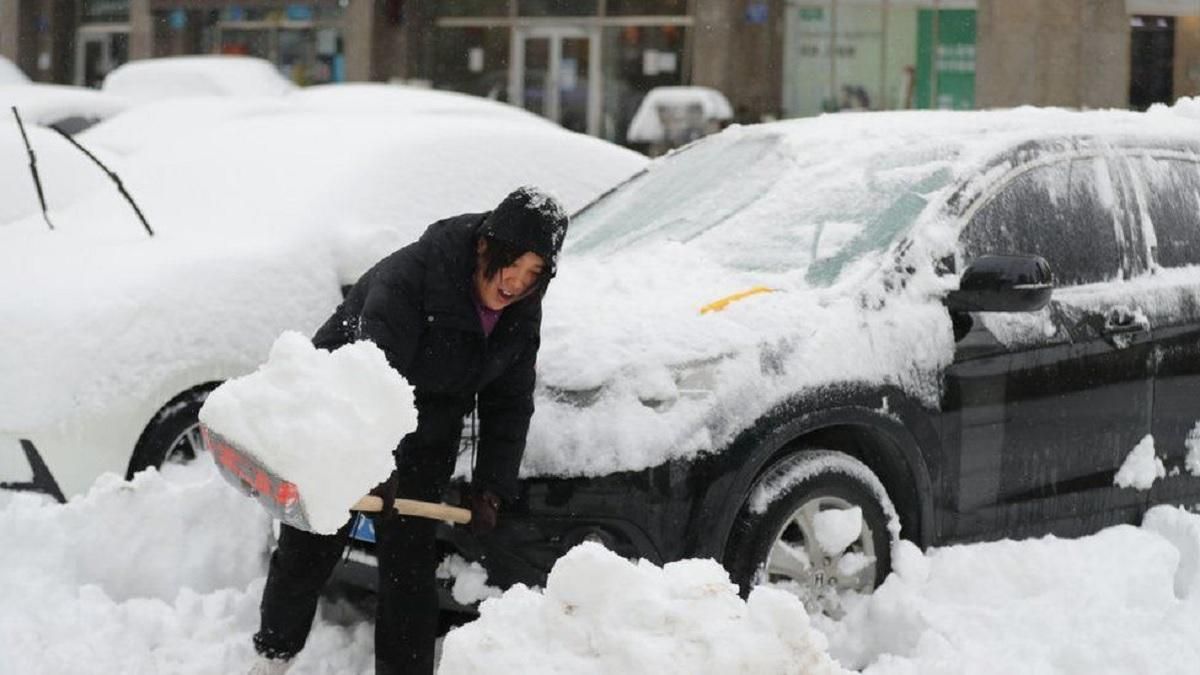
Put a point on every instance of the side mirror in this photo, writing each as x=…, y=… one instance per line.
x=1003, y=283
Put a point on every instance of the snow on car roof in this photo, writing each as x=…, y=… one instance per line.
x=10, y=73
x=376, y=98
x=646, y=126
x=159, y=122
x=177, y=76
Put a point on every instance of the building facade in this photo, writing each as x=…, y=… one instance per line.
x=587, y=63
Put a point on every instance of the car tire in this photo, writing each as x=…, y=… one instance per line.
x=174, y=432
x=774, y=540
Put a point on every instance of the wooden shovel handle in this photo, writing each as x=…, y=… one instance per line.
x=412, y=507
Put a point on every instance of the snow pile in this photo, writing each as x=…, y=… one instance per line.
x=162, y=574
x=326, y=421
x=470, y=580
x=1140, y=468
x=602, y=614
x=170, y=535
x=1121, y=601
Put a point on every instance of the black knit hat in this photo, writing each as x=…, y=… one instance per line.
x=529, y=220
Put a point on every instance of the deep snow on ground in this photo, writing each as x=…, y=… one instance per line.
x=164, y=574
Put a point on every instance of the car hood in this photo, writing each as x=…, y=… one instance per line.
x=634, y=372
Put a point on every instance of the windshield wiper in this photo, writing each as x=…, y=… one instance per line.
x=37, y=181
x=109, y=172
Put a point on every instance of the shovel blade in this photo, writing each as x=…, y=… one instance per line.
x=245, y=471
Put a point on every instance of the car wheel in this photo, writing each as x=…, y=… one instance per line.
x=799, y=530
x=173, y=435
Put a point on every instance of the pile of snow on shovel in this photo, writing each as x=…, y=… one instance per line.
x=326, y=421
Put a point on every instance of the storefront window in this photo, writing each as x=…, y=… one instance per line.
x=473, y=61
x=473, y=8
x=647, y=7
x=637, y=59
x=556, y=7
x=841, y=56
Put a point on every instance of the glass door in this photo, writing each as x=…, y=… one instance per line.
x=98, y=52
x=555, y=73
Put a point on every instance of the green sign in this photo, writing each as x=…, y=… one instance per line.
x=945, y=70
x=812, y=13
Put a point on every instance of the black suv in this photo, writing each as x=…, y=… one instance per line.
x=1047, y=259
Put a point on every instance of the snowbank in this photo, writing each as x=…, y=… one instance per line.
x=164, y=574
x=326, y=421
x=1121, y=601
x=159, y=575
x=602, y=614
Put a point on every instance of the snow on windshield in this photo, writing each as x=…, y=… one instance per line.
x=762, y=203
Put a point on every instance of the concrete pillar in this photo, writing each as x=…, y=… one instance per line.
x=741, y=59
x=413, y=42
x=359, y=40
x=10, y=29
x=1072, y=53
x=141, y=30
x=1187, y=56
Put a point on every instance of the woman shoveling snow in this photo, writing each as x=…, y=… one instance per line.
x=458, y=315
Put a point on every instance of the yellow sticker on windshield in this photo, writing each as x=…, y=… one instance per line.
x=730, y=299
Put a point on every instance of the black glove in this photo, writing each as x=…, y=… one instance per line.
x=387, y=492
x=485, y=508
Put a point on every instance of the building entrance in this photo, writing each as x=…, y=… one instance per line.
x=555, y=71
x=98, y=50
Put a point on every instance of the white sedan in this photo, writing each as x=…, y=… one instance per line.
x=112, y=337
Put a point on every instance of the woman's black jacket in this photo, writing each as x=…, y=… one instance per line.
x=416, y=305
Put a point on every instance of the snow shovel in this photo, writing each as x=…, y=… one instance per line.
x=282, y=499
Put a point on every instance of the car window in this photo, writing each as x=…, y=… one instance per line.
x=1065, y=212
x=1173, y=204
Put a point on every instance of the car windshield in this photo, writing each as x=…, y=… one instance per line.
x=760, y=203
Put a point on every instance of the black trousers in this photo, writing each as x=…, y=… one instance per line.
x=406, y=616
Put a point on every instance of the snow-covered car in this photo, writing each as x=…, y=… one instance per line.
x=112, y=337
x=669, y=117
x=67, y=107
x=787, y=345
x=147, y=80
